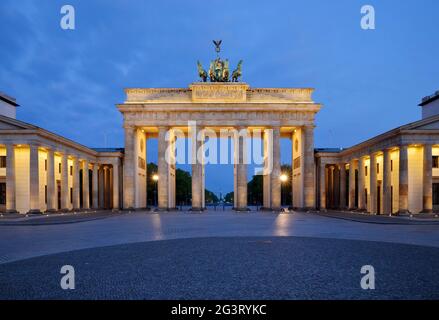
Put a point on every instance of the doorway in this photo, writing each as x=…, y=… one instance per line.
x=379, y=197
x=58, y=194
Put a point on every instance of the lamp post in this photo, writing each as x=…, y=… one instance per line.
x=283, y=179
x=155, y=178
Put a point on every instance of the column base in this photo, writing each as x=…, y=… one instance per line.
x=427, y=211
x=305, y=209
x=403, y=213
x=197, y=209
x=11, y=211
x=138, y=209
x=246, y=209
x=34, y=211
x=51, y=211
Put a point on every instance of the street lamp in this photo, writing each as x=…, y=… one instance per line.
x=155, y=178
x=283, y=178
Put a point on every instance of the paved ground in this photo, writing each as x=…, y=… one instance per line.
x=55, y=218
x=230, y=268
x=219, y=255
x=20, y=242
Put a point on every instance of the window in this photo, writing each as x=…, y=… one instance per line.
x=3, y=162
x=71, y=170
x=45, y=194
x=365, y=171
x=436, y=194
x=45, y=165
x=378, y=168
x=71, y=195
x=3, y=193
x=391, y=165
x=59, y=167
x=435, y=161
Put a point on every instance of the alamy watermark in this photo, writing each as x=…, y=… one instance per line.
x=209, y=146
x=368, y=19
x=68, y=17
x=68, y=279
x=368, y=280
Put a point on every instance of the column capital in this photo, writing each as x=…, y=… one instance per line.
x=428, y=144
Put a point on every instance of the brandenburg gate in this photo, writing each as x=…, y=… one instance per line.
x=222, y=103
x=156, y=112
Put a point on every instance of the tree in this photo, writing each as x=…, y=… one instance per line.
x=255, y=193
x=210, y=197
x=183, y=190
x=229, y=197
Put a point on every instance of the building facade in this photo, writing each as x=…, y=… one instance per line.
x=393, y=173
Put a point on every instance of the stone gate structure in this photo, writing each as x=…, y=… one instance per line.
x=158, y=112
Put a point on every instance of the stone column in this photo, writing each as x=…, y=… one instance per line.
x=428, y=180
x=163, y=170
x=75, y=183
x=197, y=169
x=34, y=180
x=322, y=178
x=10, y=179
x=342, y=167
x=85, y=186
x=373, y=184
x=403, y=180
x=95, y=188
x=51, y=191
x=276, y=173
x=172, y=171
x=361, y=180
x=64, y=182
x=309, y=168
x=336, y=186
x=106, y=187
x=129, y=168
x=352, y=185
x=115, y=186
x=268, y=167
x=241, y=169
x=330, y=186
x=101, y=188
x=387, y=183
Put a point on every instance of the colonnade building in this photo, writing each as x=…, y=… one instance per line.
x=396, y=172
x=393, y=173
x=44, y=172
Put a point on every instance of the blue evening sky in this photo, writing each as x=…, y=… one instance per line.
x=368, y=81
